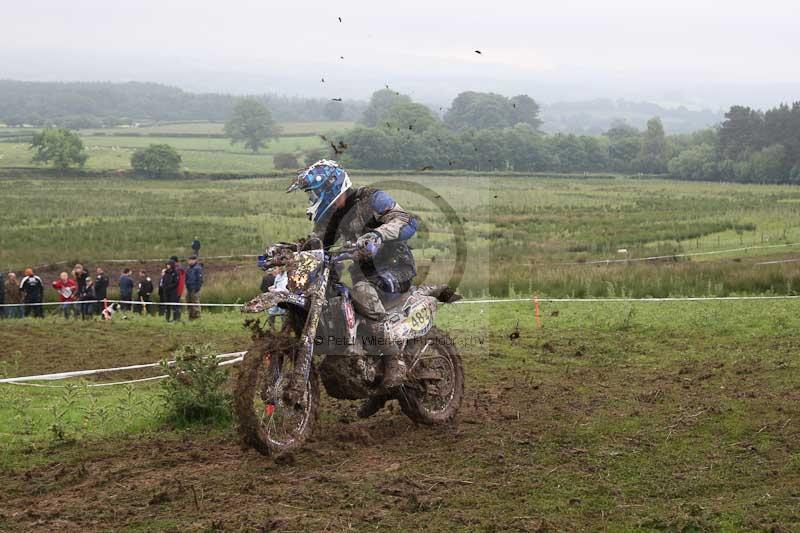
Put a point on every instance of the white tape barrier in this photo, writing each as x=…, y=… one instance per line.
x=131, y=302
x=80, y=373
x=236, y=357
x=687, y=254
x=601, y=300
x=492, y=301
x=234, y=361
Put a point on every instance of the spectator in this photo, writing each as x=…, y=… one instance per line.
x=280, y=280
x=2, y=296
x=194, y=282
x=126, y=289
x=196, y=246
x=267, y=281
x=32, y=292
x=171, y=282
x=162, y=308
x=181, y=276
x=13, y=296
x=87, y=297
x=144, y=291
x=81, y=275
x=100, y=289
x=67, y=293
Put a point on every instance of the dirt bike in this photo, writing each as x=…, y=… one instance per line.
x=277, y=393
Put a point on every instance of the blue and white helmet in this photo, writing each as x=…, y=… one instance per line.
x=324, y=181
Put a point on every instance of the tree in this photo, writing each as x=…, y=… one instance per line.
x=525, y=110
x=313, y=155
x=251, y=124
x=624, y=144
x=696, y=162
x=620, y=130
x=60, y=147
x=156, y=160
x=333, y=110
x=285, y=161
x=653, y=152
x=479, y=110
x=741, y=133
x=370, y=148
x=769, y=165
x=379, y=104
x=408, y=116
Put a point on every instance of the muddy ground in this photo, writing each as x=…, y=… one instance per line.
x=688, y=445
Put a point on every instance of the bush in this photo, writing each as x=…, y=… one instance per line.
x=312, y=156
x=156, y=160
x=285, y=161
x=192, y=392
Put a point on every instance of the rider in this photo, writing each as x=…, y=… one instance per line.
x=380, y=228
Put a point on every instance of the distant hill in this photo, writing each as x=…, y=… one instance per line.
x=596, y=116
x=96, y=104
x=93, y=104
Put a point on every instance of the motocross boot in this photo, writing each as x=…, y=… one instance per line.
x=372, y=406
x=394, y=368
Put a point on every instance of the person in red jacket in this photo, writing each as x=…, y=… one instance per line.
x=67, y=294
x=176, y=309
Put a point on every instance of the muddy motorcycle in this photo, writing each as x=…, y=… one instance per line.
x=277, y=394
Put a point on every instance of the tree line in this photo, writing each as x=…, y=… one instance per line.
x=77, y=105
x=489, y=132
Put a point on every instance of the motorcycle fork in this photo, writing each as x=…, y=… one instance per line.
x=306, y=352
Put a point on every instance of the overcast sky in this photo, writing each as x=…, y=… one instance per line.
x=691, y=51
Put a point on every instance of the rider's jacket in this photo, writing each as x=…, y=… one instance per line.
x=367, y=209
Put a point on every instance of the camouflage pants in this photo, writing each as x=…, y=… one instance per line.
x=367, y=301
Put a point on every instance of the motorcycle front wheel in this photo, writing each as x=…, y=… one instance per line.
x=266, y=422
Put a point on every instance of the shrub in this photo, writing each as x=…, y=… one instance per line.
x=285, y=161
x=193, y=391
x=312, y=156
x=156, y=160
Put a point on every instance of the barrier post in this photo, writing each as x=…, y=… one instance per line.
x=536, y=312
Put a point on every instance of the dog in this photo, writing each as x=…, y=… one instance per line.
x=110, y=310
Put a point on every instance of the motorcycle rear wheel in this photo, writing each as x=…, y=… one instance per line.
x=266, y=422
x=437, y=380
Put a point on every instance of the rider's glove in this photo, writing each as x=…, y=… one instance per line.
x=369, y=243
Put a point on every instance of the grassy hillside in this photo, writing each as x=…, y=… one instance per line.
x=523, y=235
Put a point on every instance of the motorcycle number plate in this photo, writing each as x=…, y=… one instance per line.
x=420, y=318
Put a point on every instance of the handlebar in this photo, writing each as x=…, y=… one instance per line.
x=346, y=252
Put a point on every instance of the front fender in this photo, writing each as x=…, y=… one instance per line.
x=266, y=300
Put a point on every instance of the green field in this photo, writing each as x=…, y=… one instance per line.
x=198, y=154
x=111, y=149
x=523, y=235
x=678, y=416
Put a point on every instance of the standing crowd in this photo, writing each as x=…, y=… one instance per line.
x=80, y=293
